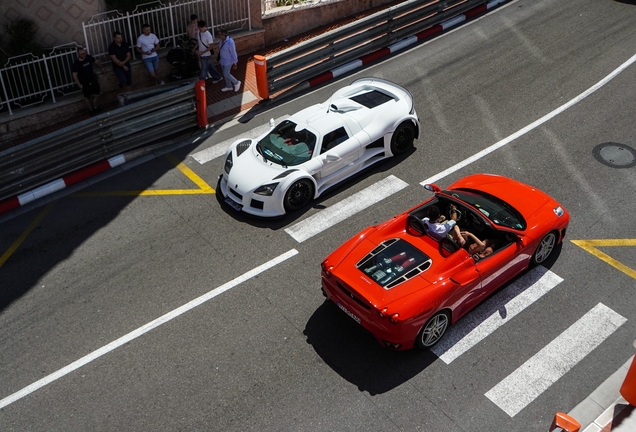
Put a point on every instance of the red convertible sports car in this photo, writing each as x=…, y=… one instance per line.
x=406, y=283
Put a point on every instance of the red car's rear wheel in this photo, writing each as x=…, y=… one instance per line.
x=433, y=330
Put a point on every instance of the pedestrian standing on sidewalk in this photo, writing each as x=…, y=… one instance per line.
x=228, y=58
x=85, y=78
x=204, y=52
x=148, y=45
x=119, y=52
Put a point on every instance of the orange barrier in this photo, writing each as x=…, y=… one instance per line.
x=202, y=106
x=260, y=70
x=628, y=389
x=565, y=422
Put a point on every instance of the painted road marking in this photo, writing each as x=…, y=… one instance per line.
x=219, y=149
x=487, y=317
x=532, y=378
x=144, y=329
x=16, y=244
x=531, y=126
x=343, y=209
x=204, y=188
x=591, y=247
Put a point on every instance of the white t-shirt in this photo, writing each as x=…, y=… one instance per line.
x=438, y=229
x=205, y=38
x=147, y=43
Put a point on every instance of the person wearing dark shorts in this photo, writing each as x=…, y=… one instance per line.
x=85, y=78
x=119, y=52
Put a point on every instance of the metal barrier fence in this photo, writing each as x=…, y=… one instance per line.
x=340, y=46
x=54, y=155
x=168, y=22
x=28, y=80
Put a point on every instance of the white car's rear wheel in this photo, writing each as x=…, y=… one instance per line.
x=402, y=139
x=298, y=195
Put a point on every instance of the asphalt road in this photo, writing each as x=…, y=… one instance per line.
x=262, y=350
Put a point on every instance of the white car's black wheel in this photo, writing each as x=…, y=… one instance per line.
x=298, y=195
x=433, y=330
x=545, y=248
x=402, y=139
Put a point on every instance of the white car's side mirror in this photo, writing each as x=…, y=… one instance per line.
x=333, y=157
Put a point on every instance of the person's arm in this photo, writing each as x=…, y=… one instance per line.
x=233, y=53
x=98, y=63
x=76, y=79
x=479, y=243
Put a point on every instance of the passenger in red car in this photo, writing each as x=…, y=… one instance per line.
x=477, y=247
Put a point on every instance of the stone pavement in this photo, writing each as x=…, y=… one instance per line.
x=605, y=409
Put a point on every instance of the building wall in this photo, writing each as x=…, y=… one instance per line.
x=59, y=22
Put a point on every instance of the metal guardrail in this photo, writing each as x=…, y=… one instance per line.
x=54, y=155
x=338, y=47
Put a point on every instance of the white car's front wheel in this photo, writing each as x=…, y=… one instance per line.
x=298, y=195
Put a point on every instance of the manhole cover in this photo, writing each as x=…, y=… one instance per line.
x=615, y=155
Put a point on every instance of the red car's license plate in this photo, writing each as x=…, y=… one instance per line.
x=344, y=309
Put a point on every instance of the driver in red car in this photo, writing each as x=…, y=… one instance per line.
x=440, y=226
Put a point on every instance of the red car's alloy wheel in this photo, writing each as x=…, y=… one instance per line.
x=433, y=330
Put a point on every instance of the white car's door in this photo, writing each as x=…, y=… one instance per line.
x=338, y=150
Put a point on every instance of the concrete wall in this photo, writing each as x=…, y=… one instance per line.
x=291, y=23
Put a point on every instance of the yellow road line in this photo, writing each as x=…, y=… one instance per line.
x=591, y=247
x=204, y=188
x=25, y=234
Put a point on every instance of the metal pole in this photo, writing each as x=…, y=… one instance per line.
x=132, y=45
x=48, y=77
x=6, y=95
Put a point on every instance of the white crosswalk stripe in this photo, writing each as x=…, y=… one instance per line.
x=543, y=369
x=488, y=317
x=219, y=149
x=340, y=211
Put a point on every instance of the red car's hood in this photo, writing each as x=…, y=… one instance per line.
x=525, y=198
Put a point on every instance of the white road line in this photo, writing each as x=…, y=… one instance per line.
x=495, y=312
x=144, y=329
x=532, y=378
x=219, y=149
x=531, y=126
x=347, y=207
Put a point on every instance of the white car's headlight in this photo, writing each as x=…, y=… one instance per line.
x=228, y=163
x=266, y=190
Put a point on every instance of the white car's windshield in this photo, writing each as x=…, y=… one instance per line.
x=286, y=146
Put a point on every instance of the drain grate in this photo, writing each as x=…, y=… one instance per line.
x=615, y=155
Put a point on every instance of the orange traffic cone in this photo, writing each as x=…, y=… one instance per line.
x=628, y=389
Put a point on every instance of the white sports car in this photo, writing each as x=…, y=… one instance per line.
x=301, y=157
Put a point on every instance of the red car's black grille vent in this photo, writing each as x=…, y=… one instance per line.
x=352, y=296
x=419, y=269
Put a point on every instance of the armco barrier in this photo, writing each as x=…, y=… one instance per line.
x=34, y=163
x=364, y=37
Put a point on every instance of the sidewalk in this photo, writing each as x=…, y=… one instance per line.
x=605, y=409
